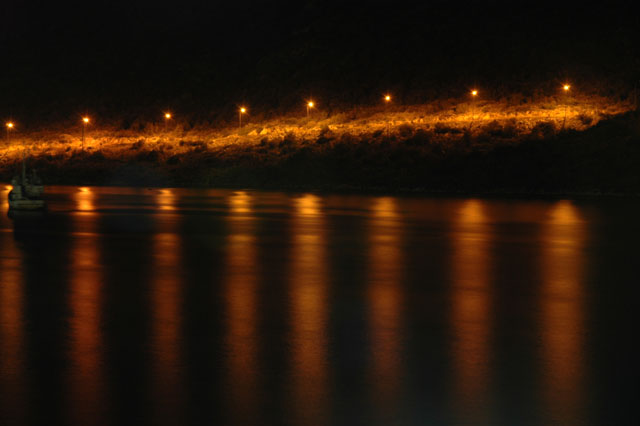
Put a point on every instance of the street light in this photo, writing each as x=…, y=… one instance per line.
x=241, y=111
x=167, y=117
x=85, y=121
x=9, y=128
x=309, y=106
x=387, y=101
x=566, y=88
x=474, y=94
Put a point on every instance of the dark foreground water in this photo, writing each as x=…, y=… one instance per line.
x=210, y=307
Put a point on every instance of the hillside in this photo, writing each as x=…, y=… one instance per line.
x=445, y=146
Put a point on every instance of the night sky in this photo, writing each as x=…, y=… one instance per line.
x=205, y=58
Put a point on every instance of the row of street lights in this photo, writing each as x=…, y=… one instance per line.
x=10, y=125
x=310, y=105
x=387, y=99
x=243, y=110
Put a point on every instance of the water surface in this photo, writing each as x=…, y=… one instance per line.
x=178, y=306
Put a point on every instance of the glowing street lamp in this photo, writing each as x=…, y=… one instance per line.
x=474, y=95
x=310, y=105
x=565, y=88
x=387, y=101
x=167, y=117
x=9, y=129
x=241, y=111
x=85, y=121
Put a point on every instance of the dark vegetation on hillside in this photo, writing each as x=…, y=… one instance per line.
x=492, y=159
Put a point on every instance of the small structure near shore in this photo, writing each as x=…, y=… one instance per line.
x=27, y=191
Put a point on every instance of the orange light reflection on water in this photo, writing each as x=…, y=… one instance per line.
x=240, y=292
x=86, y=338
x=84, y=199
x=470, y=310
x=166, y=199
x=4, y=200
x=166, y=325
x=309, y=310
x=13, y=380
x=562, y=328
x=240, y=206
x=385, y=297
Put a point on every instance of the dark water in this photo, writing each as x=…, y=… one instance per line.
x=171, y=307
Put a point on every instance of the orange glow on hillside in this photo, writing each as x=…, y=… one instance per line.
x=566, y=87
x=383, y=117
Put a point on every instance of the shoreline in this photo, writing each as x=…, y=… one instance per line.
x=370, y=191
